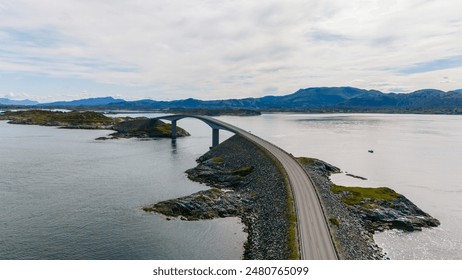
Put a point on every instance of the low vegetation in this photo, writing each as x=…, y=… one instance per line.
x=217, y=160
x=125, y=127
x=306, y=160
x=244, y=171
x=56, y=118
x=165, y=128
x=366, y=197
x=334, y=221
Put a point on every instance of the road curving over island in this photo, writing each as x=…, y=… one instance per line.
x=315, y=240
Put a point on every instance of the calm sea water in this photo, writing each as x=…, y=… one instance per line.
x=419, y=156
x=64, y=195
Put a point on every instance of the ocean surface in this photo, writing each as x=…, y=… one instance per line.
x=64, y=195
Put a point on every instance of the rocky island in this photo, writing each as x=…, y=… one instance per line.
x=145, y=128
x=125, y=127
x=74, y=119
x=356, y=213
x=246, y=183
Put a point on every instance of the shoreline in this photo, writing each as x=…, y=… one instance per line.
x=240, y=176
x=246, y=184
x=126, y=127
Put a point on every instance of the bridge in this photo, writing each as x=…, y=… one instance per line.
x=214, y=124
x=314, y=238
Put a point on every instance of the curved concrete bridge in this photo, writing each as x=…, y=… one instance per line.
x=315, y=240
x=213, y=123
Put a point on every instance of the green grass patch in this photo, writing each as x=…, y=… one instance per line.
x=165, y=128
x=306, y=160
x=367, y=196
x=334, y=221
x=217, y=160
x=244, y=171
x=292, y=238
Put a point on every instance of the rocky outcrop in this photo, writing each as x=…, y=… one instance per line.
x=352, y=241
x=74, y=119
x=223, y=200
x=145, y=128
x=214, y=172
x=246, y=184
x=355, y=214
x=382, y=209
x=208, y=204
x=400, y=213
x=356, y=176
x=124, y=127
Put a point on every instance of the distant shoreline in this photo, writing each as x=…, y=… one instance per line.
x=308, y=100
x=243, y=112
x=124, y=127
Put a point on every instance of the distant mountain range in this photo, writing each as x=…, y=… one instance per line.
x=26, y=102
x=90, y=102
x=319, y=99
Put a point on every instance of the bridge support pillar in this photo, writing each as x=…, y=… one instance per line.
x=173, y=129
x=215, y=137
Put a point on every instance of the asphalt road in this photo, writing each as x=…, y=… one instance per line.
x=314, y=238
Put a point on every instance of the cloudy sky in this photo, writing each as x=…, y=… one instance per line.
x=210, y=49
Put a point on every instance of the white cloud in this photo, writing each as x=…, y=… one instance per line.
x=17, y=96
x=222, y=49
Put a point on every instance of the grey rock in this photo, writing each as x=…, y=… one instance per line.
x=358, y=223
x=245, y=184
x=145, y=128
